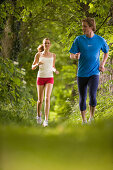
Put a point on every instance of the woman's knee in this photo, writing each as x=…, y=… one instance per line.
x=39, y=101
x=47, y=99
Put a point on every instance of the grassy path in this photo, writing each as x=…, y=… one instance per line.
x=57, y=147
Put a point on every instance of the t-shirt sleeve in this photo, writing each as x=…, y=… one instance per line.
x=105, y=47
x=75, y=47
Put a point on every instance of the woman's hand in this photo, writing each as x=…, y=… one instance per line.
x=40, y=63
x=34, y=66
x=57, y=72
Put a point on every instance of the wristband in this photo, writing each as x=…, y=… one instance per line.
x=54, y=69
x=35, y=65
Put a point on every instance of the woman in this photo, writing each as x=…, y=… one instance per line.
x=46, y=62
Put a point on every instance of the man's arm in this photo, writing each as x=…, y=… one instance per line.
x=101, y=67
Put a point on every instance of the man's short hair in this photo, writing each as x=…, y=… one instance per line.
x=90, y=22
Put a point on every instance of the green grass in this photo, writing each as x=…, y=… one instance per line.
x=58, y=147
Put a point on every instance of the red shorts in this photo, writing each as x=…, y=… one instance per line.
x=43, y=81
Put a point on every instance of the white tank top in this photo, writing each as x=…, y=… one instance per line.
x=45, y=70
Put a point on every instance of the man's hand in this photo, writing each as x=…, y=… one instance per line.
x=101, y=68
x=75, y=56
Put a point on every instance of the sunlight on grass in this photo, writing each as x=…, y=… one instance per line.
x=57, y=147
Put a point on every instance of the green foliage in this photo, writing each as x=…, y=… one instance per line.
x=104, y=108
x=61, y=22
x=16, y=102
x=62, y=91
x=10, y=81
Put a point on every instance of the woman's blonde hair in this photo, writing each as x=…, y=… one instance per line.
x=90, y=22
x=41, y=47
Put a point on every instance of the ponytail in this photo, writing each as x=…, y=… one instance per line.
x=40, y=48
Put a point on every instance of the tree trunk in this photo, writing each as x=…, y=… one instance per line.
x=7, y=39
x=10, y=42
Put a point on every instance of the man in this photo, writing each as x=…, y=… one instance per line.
x=86, y=48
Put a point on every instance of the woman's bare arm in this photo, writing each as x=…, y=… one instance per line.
x=36, y=62
x=54, y=69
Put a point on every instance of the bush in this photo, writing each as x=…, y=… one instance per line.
x=16, y=99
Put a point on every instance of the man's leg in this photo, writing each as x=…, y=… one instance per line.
x=92, y=111
x=82, y=87
x=83, y=113
x=93, y=86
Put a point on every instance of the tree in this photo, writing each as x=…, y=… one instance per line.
x=25, y=23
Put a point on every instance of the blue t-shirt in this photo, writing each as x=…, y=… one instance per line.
x=89, y=49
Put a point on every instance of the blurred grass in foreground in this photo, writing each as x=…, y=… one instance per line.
x=57, y=147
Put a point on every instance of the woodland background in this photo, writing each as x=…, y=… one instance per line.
x=23, y=26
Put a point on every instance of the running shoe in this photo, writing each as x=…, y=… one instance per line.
x=39, y=120
x=91, y=119
x=45, y=123
x=84, y=122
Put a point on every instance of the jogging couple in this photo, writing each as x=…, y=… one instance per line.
x=86, y=49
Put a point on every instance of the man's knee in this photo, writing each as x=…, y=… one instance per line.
x=82, y=104
x=93, y=101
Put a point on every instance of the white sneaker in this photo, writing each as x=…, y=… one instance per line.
x=84, y=122
x=39, y=120
x=45, y=123
x=91, y=119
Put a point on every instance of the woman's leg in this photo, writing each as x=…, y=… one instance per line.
x=40, y=90
x=48, y=90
